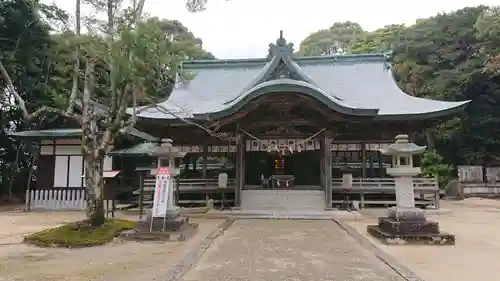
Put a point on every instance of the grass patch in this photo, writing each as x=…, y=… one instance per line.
x=79, y=234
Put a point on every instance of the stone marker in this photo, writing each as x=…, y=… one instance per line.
x=404, y=222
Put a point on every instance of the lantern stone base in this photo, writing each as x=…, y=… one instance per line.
x=409, y=226
x=183, y=233
x=171, y=227
x=157, y=224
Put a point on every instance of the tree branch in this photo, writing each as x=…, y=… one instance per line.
x=112, y=69
x=87, y=110
x=76, y=66
x=22, y=104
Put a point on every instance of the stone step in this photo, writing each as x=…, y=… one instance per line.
x=283, y=200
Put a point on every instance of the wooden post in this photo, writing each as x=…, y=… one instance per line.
x=186, y=161
x=380, y=164
x=195, y=159
x=177, y=190
x=328, y=169
x=243, y=162
x=437, y=195
x=363, y=159
x=141, y=193
x=205, y=152
x=322, y=166
x=239, y=174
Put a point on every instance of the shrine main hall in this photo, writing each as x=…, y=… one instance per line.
x=290, y=122
x=282, y=122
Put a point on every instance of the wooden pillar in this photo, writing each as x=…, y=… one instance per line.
x=437, y=196
x=363, y=159
x=239, y=174
x=177, y=190
x=322, y=165
x=204, y=155
x=327, y=143
x=195, y=159
x=141, y=194
x=186, y=160
x=243, y=162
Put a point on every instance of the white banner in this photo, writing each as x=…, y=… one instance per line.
x=160, y=199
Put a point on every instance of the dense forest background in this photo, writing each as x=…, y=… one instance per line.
x=451, y=56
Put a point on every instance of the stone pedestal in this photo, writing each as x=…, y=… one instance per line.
x=172, y=222
x=409, y=225
x=171, y=228
x=405, y=223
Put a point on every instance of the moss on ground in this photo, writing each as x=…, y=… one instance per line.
x=79, y=234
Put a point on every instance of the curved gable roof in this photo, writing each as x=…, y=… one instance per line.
x=359, y=85
x=289, y=85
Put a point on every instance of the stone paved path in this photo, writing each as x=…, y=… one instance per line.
x=272, y=250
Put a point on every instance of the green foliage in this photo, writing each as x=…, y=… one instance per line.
x=451, y=56
x=488, y=31
x=336, y=39
x=432, y=165
x=38, y=51
x=79, y=234
x=24, y=49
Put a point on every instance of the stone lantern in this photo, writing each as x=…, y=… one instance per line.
x=166, y=153
x=405, y=222
x=403, y=171
x=160, y=226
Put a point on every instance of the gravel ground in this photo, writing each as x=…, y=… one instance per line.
x=288, y=250
x=123, y=261
x=475, y=223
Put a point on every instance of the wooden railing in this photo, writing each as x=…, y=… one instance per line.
x=205, y=187
x=426, y=190
x=373, y=184
x=201, y=184
x=187, y=184
x=480, y=189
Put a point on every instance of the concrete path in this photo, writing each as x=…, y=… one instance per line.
x=295, y=250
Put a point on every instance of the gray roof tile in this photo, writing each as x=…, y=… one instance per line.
x=68, y=133
x=357, y=82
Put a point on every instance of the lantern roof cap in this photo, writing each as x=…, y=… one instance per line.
x=402, y=146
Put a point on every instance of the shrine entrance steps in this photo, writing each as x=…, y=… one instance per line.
x=283, y=200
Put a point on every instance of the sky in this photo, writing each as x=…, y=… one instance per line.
x=244, y=28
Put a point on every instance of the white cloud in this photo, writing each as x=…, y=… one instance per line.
x=244, y=28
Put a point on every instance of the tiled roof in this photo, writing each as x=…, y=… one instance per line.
x=141, y=149
x=351, y=84
x=71, y=133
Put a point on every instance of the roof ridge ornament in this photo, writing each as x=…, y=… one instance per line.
x=280, y=48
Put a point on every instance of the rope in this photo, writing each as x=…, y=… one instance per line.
x=286, y=146
x=163, y=109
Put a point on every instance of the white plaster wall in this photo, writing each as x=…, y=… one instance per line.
x=108, y=163
x=68, y=157
x=75, y=171
x=60, y=171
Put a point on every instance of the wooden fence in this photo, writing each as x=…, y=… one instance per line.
x=380, y=184
x=478, y=180
x=59, y=200
x=426, y=190
x=206, y=188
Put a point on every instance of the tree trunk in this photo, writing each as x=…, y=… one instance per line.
x=94, y=187
x=429, y=136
